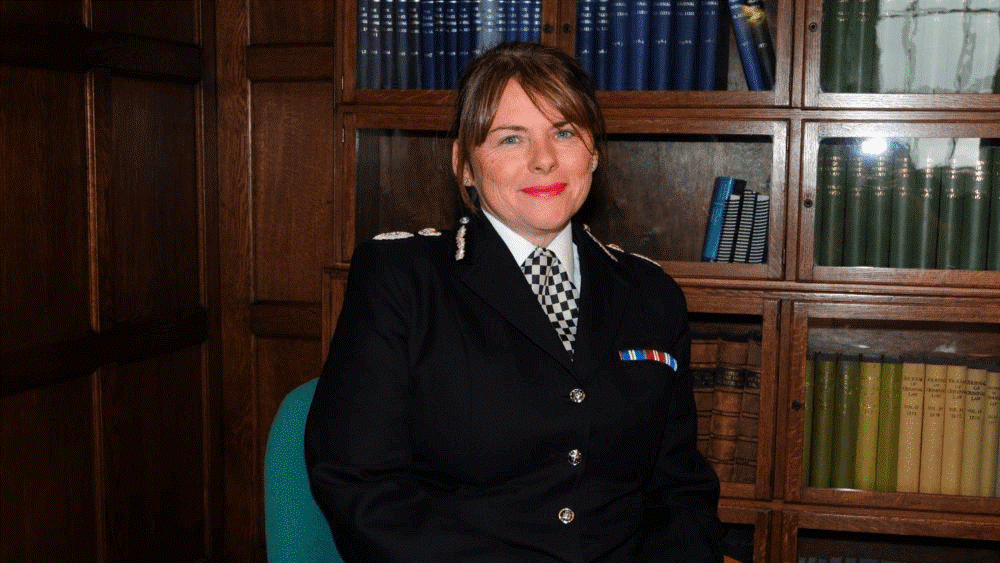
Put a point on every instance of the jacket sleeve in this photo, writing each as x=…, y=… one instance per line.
x=357, y=436
x=684, y=491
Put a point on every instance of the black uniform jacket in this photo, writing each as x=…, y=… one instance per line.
x=449, y=423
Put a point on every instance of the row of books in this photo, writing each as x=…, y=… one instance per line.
x=673, y=44
x=726, y=370
x=920, y=203
x=919, y=47
x=426, y=44
x=737, y=224
x=916, y=424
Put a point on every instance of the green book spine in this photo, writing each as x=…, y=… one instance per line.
x=911, y=417
x=901, y=244
x=880, y=225
x=867, y=442
x=822, y=441
x=975, y=219
x=887, y=452
x=829, y=236
x=927, y=200
x=860, y=62
x=950, y=226
x=993, y=254
x=855, y=211
x=836, y=14
x=807, y=421
x=845, y=422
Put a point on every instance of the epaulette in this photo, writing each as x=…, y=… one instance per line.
x=616, y=248
x=395, y=235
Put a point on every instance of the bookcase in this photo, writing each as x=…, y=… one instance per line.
x=666, y=147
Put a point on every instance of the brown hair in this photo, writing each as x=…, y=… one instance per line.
x=545, y=73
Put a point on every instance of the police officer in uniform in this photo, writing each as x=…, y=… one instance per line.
x=512, y=390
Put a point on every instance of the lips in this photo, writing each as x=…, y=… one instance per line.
x=545, y=191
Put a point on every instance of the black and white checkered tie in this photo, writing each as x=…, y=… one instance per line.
x=555, y=291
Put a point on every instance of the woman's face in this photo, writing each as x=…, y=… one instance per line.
x=533, y=171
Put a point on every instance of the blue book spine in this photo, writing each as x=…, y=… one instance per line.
x=746, y=46
x=488, y=34
x=375, y=45
x=508, y=23
x=661, y=18
x=709, y=28
x=535, y=34
x=413, y=43
x=685, y=43
x=428, y=46
x=402, y=63
x=602, y=40
x=713, y=228
x=640, y=47
x=440, y=33
x=618, y=50
x=524, y=13
x=364, y=37
x=585, y=34
x=466, y=34
x=388, y=45
x=450, y=43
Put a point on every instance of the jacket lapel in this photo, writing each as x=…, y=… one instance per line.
x=488, y=269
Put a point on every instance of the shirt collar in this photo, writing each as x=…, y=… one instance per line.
x=520, y=247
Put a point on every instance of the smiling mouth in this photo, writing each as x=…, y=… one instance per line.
x=545, y=191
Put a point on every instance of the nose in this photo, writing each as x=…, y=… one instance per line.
x=543, y=156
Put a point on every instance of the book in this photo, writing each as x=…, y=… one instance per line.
x=911, y=416
x=745, y=463
x=756, y=18
x=931, y=444
x=954, y=428
x=867, y=439
x=721, y=191
x=975, y=219
x=466, y=36
x=972, y=455
x=703, y=364
x=415, y=57
x=745, y=46
x=744, y=226
x=829, y=227
x=375, y=45
x=364, y=35
x=387, y=44
x=807, y=418
x=824, y=383
x=661, y=25
x=927, y=199
x=727, y=402
x=401, y=63
x=585, y=34
x=449, y=35
x=993, y=251
x=602, y=39
x=845, y=421
x=730, y=223
x=889, y=403
x=638, y=47
x=758, y=236
x=833, y=50
x=685, y=44
x=855, y=211
x=428, y=46
x=713, y=46
x=619, y=45
x=990, y=445
x=901, y=248
x=880, y=218
x=860, y=61
x=489, y=14
x=950, y=214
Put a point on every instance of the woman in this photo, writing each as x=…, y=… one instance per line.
x=455, y=420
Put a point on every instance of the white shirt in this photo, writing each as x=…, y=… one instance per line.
x=521, y=247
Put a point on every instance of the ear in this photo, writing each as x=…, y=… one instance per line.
x=463, y=176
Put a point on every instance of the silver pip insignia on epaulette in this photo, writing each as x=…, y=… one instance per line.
x=460, y=238
x=393, y=235
x=429, y=232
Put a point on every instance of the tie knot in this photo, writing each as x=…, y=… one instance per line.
x=542, y=256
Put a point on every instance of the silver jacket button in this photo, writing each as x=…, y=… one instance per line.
x=566, y=516
x=575, y=457
x=577, y=395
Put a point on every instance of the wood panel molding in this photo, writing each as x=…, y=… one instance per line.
x=125, y=342
x=77, y=48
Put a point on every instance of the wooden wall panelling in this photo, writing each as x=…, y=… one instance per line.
x=112, y=287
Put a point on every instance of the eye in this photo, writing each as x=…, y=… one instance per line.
x=508, y=140
x=565, y=133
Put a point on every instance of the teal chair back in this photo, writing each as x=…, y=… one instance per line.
x=295, y=529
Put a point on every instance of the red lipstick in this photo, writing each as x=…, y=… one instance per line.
x=545, y=191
